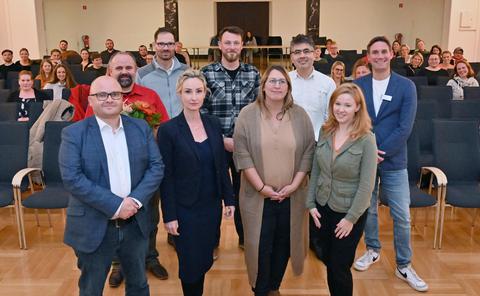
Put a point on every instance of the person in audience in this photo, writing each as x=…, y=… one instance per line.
x=182, y=54
x=447, y=62
x=399, y=37
x=346, y=158
x=196, y=180
x=86, y=41
x=405, y=53
x=97, y=65
x=24, y=63
x=46, y=72
x=86, y=62
x=273, y=192
x=62, y=78
x=111, y=166
x=436, y=49
x=142, y=56
x=230, y=80
x=396, y=47
x=149, y=58
x=464, y=77
x=337, y=73
x=458, y=55
x=360, y=68
x=67, y=54
x=333, y=54
x=25, y=95
x=392, y=124
x=421, y=48
x=8, y=64
x=328, y=43
x=108, y=52
x=55, y=57
x=162, y=76
x=415, y=65
x=433, y=70
x=250, y=40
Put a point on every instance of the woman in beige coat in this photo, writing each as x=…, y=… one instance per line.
x=274, y=143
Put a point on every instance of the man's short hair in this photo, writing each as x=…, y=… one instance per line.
x=379, y=39
x=108, y=39
x=458, y=50
x=163, y=30
x=96, y=55
x=7, y=50
x=122, y=53
x=63, y=41
x=231, y=29
x=302, y=39
x=142, y=46
x=55, y=50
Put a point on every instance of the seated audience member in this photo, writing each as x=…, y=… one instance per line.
x=399, y=37
x=25, y=95
x=97, y=65
x=405, y=53
x=458, y=55
x=436, y=50
x=334, y=54
x=68, y=55
x=62, y=78
x=420, y=47
x=149, y=58
x=86, y=62
x=433, y=70
x=360, y=68
x=86, y=41
x=108, y=52
x=182, y=54
x=415, y=65
x=24, y=63
x=55, y=57
x=141, y=59
x=447, y=62
x=464, y=76
x=46, y=72
x=338, y=73
x=396, y=47
x=250, y=40
x=8, y=65
x=328, y=43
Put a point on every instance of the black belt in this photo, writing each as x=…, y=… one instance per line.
x=118, y=223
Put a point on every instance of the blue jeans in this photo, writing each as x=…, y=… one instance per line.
x=394, y=187
x=128, y=243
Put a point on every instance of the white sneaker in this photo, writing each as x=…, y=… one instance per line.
x=364, y=262
x=409, y=275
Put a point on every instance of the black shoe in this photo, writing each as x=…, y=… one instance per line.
x=171, y=241
x=157, y=270
x=116, y=277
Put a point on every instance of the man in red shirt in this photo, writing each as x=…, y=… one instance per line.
x=122, y=67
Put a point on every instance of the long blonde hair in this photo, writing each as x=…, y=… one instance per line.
x=361, y=121
x=287, y=101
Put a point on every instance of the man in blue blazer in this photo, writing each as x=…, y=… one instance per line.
x=111, y=165
x=392, y=103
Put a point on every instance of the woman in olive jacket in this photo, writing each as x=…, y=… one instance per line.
x=342, y=181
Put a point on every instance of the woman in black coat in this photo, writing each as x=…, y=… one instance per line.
x=195, y=182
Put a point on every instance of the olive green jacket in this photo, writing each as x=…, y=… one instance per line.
x=346, y=183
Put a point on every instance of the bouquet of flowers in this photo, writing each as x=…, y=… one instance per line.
x=142, y=110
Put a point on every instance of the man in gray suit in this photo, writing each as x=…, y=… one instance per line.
x=111, y=165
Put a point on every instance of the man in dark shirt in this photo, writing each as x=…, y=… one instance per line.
x=107, y=54
x=141, y=59
x=8, y=65
x=97, y=66
x=333, y=54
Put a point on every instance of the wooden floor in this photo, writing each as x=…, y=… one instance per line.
x=48, y=267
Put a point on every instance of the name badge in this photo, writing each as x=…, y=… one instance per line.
x=386, y=98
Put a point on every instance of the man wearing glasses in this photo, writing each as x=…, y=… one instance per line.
x=162, y=74
x=233, y=85
x=111, y=166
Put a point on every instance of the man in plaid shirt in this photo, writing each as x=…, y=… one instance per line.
x=233, y=85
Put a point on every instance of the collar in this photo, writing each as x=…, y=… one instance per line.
x=102, y=125
x=157, y=65
x=311, y=76
x=219, y=67
x=135, y=91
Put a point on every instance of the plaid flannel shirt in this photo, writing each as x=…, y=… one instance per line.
x=227, y=97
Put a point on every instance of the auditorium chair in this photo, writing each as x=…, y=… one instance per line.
x=12, y=80
x=419, y=80
x=2, y=83
x=471, y=93
x=442, y=80
x=442, y=94
x=274, y=52
x=52, y=194
x=4, y=93
x=466, y=109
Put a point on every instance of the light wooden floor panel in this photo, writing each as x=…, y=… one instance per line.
x=48, y=267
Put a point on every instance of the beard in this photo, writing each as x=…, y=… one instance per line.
x=125, y=80
x=231, y=56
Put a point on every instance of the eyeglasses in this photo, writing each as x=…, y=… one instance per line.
x=234, y=43
x=305, y=51
x=274, y=82
x=102, y=96
x=167, y=44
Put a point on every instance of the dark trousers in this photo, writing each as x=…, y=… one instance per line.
x=128, y=243
x=237, y=218
x=274, y=247
x=193, y=289
x=338, y=254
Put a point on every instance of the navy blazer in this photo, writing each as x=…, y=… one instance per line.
x=182, y=181
x=393, y=123
x=84, y=170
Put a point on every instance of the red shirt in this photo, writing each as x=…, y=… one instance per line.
x=141, y=93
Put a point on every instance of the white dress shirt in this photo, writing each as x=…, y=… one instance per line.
x=115, y=144
x=313, y=95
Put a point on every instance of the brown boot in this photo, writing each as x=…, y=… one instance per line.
x=116, y=277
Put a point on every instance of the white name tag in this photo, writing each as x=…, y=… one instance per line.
x=386, y=98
